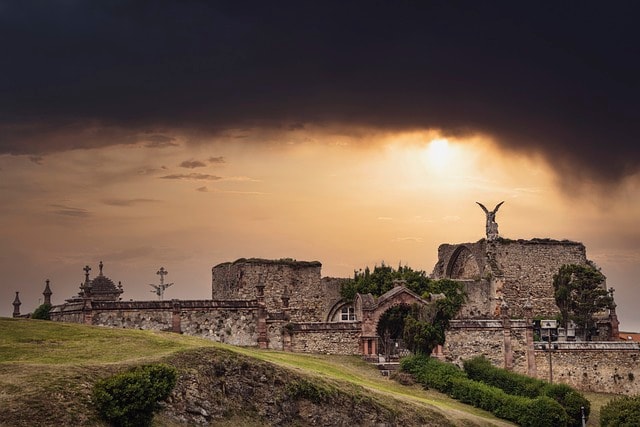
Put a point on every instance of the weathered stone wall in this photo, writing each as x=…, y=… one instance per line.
x=470, y=338
x=480, y=296
x=327, y=338
x=149, y=319
x=527, y=268
x=235, y=326
x=307, y=296
x=604, y=367
x=509, y=270
x=599, y=367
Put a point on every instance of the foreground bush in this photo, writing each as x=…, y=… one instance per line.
x=131, y=398
x=431, y=373
x=541, y=411
x=481, y=369
x=621, y=412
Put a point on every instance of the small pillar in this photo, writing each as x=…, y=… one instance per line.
x=87, y=311
x=613, y=318
x=263, y=339
x=47, y=292
x=287, y=338
x=175, y=317
x=506, y=328
x=16, y=305
x=285, y=298
x=532, y=371
x=86, y=286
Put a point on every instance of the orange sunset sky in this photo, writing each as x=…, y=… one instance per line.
x=184, y=135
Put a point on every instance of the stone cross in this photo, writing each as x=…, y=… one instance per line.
x=86, y=269
x=162, y=272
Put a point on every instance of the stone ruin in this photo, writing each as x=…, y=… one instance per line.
x=287, y=305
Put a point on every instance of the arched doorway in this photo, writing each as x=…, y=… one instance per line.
x=370, y=310
x=390, y=331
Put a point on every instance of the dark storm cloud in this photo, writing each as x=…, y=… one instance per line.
x=554, y=78
x=160, y=141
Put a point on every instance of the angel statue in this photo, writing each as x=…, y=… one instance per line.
x=492, y=225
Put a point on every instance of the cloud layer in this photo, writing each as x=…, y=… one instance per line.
x=550, y=79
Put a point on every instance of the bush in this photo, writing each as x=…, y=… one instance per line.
x=621, y=412
x=542, y=412
x=130, y=398
x=42, y=312
x=571, y=401
x=431, y=372
x=481, y=369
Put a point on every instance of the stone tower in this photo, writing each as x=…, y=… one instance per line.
x=16, y=305
x=47, y=293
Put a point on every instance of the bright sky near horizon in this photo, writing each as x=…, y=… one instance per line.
x=307, y=196
x=185, y=134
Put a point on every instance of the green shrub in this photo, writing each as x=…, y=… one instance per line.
x=481, y=369
x=543, y=412
x=42, y=312
x=540, y=412
x=431, y=372
x=130, y=398
x=571, y=401
x=621, y=412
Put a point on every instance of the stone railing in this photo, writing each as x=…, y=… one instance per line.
x=588, y=345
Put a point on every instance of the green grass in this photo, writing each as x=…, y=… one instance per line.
x=43, y=342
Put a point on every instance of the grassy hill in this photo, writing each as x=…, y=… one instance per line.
x=47, y=370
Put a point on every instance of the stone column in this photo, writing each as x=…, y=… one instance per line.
x=263, y=340
x=47, y=293
x=613, y=318
x=531, y=354
x=87, y=312
x=16, y=305
x=506, y=328
x=175, y=317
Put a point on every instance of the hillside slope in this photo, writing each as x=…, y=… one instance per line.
x=47, y=371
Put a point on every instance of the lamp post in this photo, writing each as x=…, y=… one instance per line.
x=549, y=351
x=549, y=326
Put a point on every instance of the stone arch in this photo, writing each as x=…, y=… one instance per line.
x=463, y=265
x=371, y=313
x=337, y=308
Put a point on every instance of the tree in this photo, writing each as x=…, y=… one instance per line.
x=580, y=294
x=42, y=312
